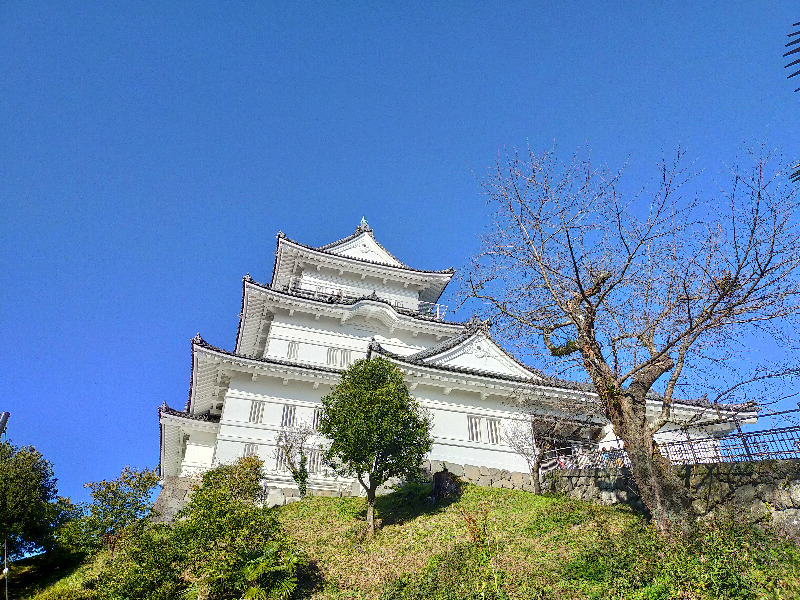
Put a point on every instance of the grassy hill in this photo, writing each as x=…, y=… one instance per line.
x=496, y=543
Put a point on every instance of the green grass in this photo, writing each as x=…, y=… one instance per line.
x=533, y=547
x=503, y=544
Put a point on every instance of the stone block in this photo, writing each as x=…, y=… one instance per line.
x=505, y=474
x=484, y=481
x=527, y=487
x=436, y=466
x=608, y=497
x=745, y=495
x=275, y=497
x=455, y=469
x=472, y=473
x=292, y=499
x=781, y=499
x=290, y=492
x=517, y=479
x=484, y=471
x=699, y=507
x=788, y=520
x=493, y=473
x=498, y=483
x=794, y=493
x=759, y=510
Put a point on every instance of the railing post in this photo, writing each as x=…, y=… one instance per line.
x=691, y=447
x=744, y=441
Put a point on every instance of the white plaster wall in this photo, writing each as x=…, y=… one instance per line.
x=355, y=286
x=315, y=336
x=451, y=432
x=199, y=452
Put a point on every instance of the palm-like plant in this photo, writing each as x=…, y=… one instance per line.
x=271, y=573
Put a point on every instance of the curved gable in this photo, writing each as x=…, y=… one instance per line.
x=364, y=247
x=479, y=352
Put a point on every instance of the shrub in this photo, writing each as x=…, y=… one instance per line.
x=222, y=544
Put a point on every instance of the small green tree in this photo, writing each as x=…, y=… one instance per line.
x=293, y=446
x=230, y=540
x=28, y=500
x=116, y=504
x=224, y=544
x=377, y=429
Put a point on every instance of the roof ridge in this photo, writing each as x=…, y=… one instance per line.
x=448, y=271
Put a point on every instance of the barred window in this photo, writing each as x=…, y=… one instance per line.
x=291, y=352
x=316, y=418
x=493, y=431
x=474, y=426
x=482, y=429
x=333, y=357
x=257, y=411
x=346, y=358
x=287, y=418
x=250, y=450
x=314, y=463
x=281, y=464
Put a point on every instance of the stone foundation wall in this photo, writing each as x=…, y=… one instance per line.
x=481, y=476
x=765, y=488
x=173, y=495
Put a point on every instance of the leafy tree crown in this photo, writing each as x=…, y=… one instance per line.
x=374, y=424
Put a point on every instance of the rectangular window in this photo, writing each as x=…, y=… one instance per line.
x=346, y=358
x=333, y=357
x=314, y=463
x=474, y=426
x=482, y=429
x=257, y=411
x=250, y=450
x=315, y=419
x=287, y=418
x=291, y=352
x=493, y=431
x=281, y=464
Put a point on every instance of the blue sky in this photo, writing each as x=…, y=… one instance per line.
x=149, y=154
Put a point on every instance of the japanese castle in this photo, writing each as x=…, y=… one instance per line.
x=328, y=306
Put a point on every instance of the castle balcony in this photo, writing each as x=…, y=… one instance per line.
x=339, y=295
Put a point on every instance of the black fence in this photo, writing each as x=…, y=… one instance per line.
x=767, y=444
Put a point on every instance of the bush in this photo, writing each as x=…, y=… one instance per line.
x=725, y=558
x=65, y=594
x=223, y=544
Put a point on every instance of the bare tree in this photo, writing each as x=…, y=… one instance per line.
x=545, y=428
x=293, y=448
x=639, y=291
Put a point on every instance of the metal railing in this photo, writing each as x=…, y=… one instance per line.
x=768, y=444
x=326, y=293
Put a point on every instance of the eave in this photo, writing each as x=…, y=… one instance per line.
x=291, y=257
x=260, y=301
x=212, y=369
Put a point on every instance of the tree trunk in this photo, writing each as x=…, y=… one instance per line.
x=661, y=489
x=370, y=512
x=536, y=467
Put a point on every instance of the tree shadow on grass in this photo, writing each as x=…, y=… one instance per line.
x=309, y=580
x=406, y=503
x=28, y=575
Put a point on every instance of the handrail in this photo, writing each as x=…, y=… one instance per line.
x=337, y=295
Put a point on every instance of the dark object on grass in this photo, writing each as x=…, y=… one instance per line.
x=446, y=486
